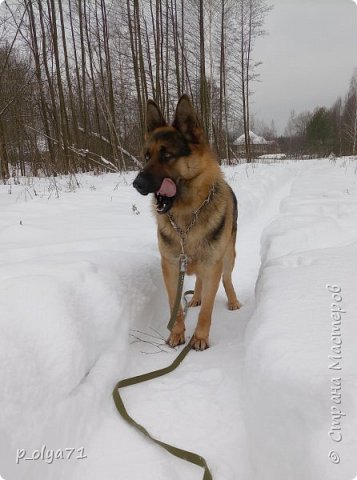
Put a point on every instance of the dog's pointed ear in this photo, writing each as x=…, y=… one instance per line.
x=186, y=120
x=154, y=117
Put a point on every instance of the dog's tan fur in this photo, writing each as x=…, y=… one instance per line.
x=210, y=244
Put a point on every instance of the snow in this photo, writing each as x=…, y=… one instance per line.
x=272, y=156
x=82, y=305
x=290, y=373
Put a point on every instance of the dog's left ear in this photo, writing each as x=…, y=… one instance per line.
x=186, y=120
x=154, y=117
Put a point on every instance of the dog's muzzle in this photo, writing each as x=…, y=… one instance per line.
x=145, y=183
x=165, y=190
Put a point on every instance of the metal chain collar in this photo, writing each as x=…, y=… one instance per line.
x=183, y=233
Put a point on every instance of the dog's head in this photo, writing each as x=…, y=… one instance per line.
x=171, y=153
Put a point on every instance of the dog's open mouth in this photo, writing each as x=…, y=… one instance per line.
x=165, y=196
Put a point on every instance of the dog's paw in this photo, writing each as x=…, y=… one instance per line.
x=199, y=344
x=194, y=302
x=235, y=305
x=176, y=339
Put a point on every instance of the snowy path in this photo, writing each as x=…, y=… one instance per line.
x=82, y=295
x=203, y=397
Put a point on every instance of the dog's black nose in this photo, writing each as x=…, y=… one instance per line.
x=142, y=184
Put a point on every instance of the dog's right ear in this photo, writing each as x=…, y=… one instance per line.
x=154, y=117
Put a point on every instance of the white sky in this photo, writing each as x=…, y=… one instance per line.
x=308, y=57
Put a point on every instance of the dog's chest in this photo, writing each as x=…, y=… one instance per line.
x=191, y=238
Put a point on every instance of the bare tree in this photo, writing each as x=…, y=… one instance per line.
x=250, y=18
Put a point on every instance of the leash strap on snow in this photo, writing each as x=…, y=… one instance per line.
x=178, y=452
x=181, y=279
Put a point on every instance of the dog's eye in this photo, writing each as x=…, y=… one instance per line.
x=167, y=155
x=147, y=156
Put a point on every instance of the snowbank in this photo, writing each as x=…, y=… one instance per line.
x=66, y=289
x=301, y=356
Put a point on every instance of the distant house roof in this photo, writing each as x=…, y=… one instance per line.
x=254, y=139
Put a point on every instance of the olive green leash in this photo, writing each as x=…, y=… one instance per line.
x=183, y=259
x=178, y=452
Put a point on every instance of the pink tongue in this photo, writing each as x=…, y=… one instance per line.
x=168, y=188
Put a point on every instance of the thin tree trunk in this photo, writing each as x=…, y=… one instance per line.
x=148, y=54
x=91, y=68
x=183, y=59
x=204, y=100
x=4, y=160
x=167, y=110
x=40, y=83
x=54, y=109
x=176, y=46
x=81, y=8
x=68, y=75
x=242, y=74
x=140, y=50
x=221, y=77
x=355, y=127
x=111, y=105
x=64, y=127
x=76, y=63
x=134, y=55
x=249, y=49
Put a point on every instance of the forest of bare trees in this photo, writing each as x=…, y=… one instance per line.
x=324, y=131
x=75, y=76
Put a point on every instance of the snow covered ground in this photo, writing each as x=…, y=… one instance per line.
x=82, y=305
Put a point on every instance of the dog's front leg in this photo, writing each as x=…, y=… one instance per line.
x=211, y=276
x=170, y=273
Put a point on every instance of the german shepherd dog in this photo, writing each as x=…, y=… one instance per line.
x=191, y=197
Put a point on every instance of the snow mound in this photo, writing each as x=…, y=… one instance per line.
x=300, y=372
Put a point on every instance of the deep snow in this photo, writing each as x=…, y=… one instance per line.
x=82, y=304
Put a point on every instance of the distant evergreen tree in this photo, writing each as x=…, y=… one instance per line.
x=319, y=132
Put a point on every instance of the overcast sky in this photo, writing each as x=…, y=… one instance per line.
x=308, y=56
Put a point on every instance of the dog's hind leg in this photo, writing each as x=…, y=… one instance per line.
x=196, y=299
x=170, y=272
x=228, y=265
